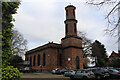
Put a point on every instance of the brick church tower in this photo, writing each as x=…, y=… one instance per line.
x=68, y=54
x=72, y=54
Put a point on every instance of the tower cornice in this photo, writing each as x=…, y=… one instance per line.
x=71, y=36
x=70, y=6
x=71, y=20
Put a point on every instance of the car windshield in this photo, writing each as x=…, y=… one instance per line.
x=115, y=70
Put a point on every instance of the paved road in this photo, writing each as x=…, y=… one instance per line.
x=45, y=76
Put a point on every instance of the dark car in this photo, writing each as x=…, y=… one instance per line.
x=114, y=73
x=61, y=71
x=83, y=74
x=100, y=73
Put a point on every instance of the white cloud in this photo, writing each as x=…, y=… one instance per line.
x=40, y=22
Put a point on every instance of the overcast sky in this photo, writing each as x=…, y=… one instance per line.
x=41, y=21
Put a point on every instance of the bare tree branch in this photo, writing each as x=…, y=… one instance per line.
x=112, y=10
x=19, y=44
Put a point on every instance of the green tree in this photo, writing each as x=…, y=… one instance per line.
x=99, y=53
x=15, y=60
x=114, y=63
x=8, y=9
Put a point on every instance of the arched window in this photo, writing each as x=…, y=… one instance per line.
x=44, y=59
x=27, y=59
x=77, y=63
x=66, y=12
x=73, y=12
x=34, y=61
x=31, y=60
x=74, y=27
x=60, y=58
x=66, y=28
x=38, y=59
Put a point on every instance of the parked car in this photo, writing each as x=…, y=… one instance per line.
x=118, y=69
x=27, y=69
x=61, y=71
x=83, y=74
x=69, y=73
x=100, y=73
x=54, y=71
x=114, y=73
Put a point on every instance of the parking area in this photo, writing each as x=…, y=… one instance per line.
x=45, y=76
x=42, y=76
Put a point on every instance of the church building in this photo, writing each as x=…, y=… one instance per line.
x=68, y=54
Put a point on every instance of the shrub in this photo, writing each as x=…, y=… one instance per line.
x=10, y=73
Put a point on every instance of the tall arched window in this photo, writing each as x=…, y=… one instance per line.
x=34, y=61
x=66, y=12
x=27, y=59
x=38, y=59
x=44, y=59
x=66, y=28
x=74, y=27
x=73, y=12
x=31, y=60
x=77, y=63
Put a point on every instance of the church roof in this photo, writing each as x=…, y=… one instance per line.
x=114, y=55
x=43, y=47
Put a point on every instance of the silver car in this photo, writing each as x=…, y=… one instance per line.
x=54, y=71
x=69, y=73
x=114, y=73
x=83, y=74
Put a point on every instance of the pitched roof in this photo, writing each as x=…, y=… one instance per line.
x=114, y=55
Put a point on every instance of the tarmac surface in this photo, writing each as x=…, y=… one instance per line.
x=42, y=76
x=45, y=76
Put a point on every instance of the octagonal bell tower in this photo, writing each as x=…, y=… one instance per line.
x=70, y=22
x=72, y=54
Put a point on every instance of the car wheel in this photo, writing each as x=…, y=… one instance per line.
x=98, y=77
x=71, y=77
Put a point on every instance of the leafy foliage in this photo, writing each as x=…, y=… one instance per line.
x=8, y=8
x=114, y=63
x=10, y=73
x=15, y=60
x=99, y=53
